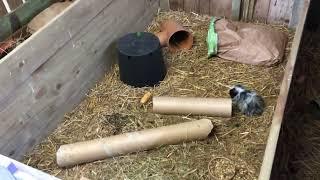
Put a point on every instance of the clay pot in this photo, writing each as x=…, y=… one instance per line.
x=174, y=36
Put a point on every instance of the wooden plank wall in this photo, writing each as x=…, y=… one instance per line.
x=50, y=73
x=271, y=11
x=212, y=7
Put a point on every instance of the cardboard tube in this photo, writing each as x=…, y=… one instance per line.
x=191, y=105
x=88, y=151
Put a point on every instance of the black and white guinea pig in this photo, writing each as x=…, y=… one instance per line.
x=248, y=102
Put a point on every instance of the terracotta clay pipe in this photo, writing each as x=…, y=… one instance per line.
x=174, y=36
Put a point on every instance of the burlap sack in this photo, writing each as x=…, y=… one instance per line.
x=250, y=44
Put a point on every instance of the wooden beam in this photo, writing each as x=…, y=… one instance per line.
x=36, y=107
x=265, y=171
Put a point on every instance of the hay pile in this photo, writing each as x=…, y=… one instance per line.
x=113, y=107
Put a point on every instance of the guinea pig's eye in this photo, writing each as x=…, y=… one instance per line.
x=233, y=92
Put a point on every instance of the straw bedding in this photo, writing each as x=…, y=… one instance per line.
x=235, y=150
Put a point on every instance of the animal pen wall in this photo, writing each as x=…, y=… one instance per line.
x=270, y=11
x=72, y=49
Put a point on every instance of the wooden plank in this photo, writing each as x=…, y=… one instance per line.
x=19, y=64
x=204, y=6
x=261, y=10
x=221, y=8
x=165, y=5
x=265, y=170
x=280, y=11
x=251, y=9
x=43, y=99
x=244, y=13
x=191, y=5
x=176, y=5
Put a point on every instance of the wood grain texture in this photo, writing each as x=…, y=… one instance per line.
x=280, y=11
x=204, y=6
x=58, y=85
x=221, y=8
x=19, y=64
x=265, y=170
x=261, y=10
x=191, y=5
x=176, y=5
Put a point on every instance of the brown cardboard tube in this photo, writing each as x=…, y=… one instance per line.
x=192, y=105
x=98, y=149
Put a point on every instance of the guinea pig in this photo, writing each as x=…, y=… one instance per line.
x=248, y=102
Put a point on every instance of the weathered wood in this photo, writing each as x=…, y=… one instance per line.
x=204, y=6
x=176, y=5
x=18, y=65
x=261, y=10
x=165, y=5
x=280, y=11
x=270, y=150
x=251, y=9
x=236, y=5
x=296, y=13
x=247, y=7
x=221, y=8
x=191, y=5
x=62, y=81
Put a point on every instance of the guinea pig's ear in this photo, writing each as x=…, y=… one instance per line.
x=233, y=92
